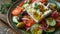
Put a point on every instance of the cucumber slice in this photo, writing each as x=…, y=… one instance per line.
x=50, y=22
x=57, y=32
x=35, y=29
x=15, y=19
x=50, y=29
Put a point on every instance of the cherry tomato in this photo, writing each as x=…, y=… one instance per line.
x=17, y=11
x=30, y=22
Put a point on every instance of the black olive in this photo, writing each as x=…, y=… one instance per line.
x=24, y=13
x=20, y=19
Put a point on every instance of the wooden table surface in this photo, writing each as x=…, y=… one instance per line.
x=4, y=28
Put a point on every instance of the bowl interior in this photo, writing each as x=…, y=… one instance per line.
x=10, y=18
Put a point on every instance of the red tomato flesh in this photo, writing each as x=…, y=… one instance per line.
x=17, y=11
x=29, y=22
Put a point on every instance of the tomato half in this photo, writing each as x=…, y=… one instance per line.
x=30, y=22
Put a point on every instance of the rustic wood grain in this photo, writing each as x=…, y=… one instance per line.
x=4, y=27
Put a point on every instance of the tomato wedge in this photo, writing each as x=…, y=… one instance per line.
x=17, y=11
x=33, y=0
x=21, y=4
x=30, y=22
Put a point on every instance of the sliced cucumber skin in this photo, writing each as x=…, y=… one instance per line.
x=53, y=23
x=33, y=27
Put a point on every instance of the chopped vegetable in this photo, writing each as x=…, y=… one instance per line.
x=53, y=6
x=30, y=22
x=37, y=16
x=36, y=29
x=33, y=0
x=28, y=1
x=17, y=11
x=51, y=21
x=30, y=15
x=44, y=1
x=15, y=19
x=20, y=19
x=57, y=32
x=44, y=23
x=21, y=4
x=24, y=13
x=25, y=19
x=54, y=14
x=25, y=5
x=58, y=22
x=50, y=29
x=20, y=25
